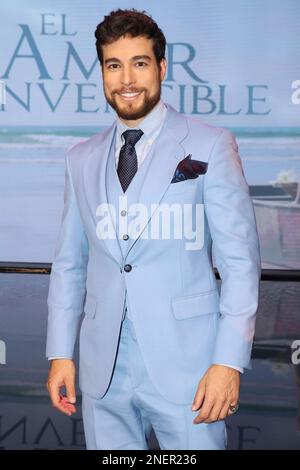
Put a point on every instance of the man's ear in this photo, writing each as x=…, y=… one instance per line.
x=163, y=69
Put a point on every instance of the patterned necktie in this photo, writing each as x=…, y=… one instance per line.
x=127, y=166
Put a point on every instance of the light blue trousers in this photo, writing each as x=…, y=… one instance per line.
x=123, y=418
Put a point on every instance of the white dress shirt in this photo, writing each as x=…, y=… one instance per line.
x=151, y=126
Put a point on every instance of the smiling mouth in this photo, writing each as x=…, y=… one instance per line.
x=129, y=96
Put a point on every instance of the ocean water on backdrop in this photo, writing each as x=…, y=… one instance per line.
x=32, y=179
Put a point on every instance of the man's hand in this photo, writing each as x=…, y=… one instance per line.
x=62, y=373
x=217, y=390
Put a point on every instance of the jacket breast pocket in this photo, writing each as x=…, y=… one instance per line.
x=196, y=305
x=182, y=187
x=90, y=306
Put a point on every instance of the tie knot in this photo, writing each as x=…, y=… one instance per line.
x=131, y=136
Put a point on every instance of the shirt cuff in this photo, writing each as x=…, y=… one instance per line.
x=240, y=369
x=51, y=358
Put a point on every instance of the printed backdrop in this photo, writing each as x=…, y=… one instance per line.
x=231, y=63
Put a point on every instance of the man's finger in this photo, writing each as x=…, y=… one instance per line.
x=199, y=397
x=56, y=399
x=54, y=393
x=66, y=407
x=205, y=410
x=224, y=411
x=70, y=389
x=215, y=412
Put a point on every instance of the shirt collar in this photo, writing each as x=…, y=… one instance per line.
x=149, y=125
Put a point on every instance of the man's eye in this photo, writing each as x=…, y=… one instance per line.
x=113, y=66
x=141, y=64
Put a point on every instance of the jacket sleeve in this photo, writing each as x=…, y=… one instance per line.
x=231, y=219
x=67, y=288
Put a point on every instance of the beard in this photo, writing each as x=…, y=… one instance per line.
x=128, y=111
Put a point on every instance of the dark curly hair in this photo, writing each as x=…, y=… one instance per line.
x=132, y=23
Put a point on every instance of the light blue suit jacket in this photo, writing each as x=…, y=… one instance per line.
x=182, y=322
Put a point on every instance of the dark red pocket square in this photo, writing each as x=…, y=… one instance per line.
x=189, y=169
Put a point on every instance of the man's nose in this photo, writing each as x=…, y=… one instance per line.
x=128, y=77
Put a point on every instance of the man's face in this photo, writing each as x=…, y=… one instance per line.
x=132, y=77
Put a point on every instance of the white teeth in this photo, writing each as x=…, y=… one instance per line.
x=129, y=95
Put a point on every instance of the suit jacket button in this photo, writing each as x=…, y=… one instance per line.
x=125, y=237
x=127, y=268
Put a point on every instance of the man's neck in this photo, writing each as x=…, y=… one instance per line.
x=131, y=122
x=137, y=122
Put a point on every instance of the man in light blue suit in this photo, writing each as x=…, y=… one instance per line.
x=157, y=336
